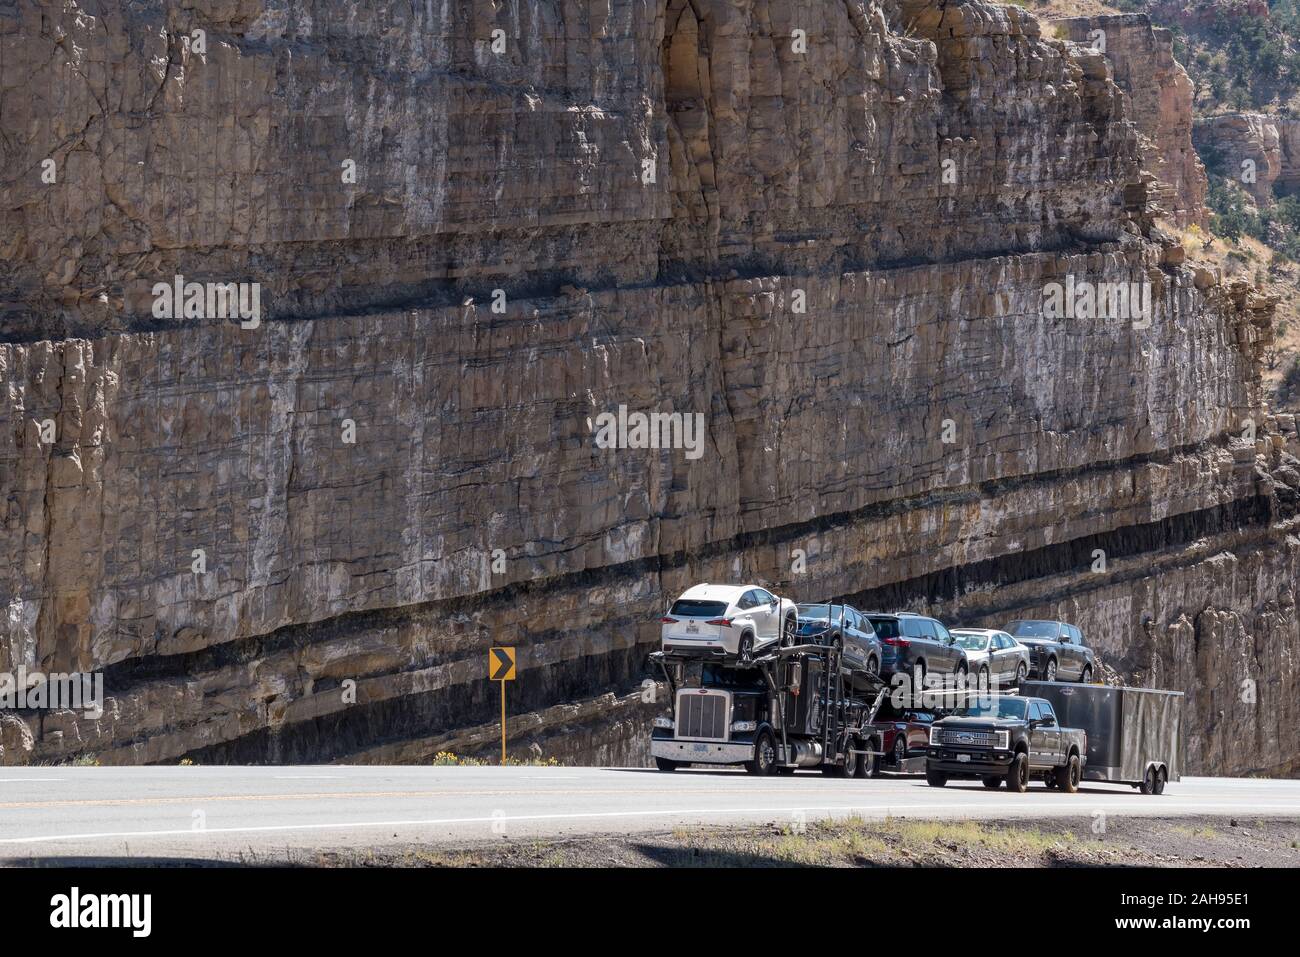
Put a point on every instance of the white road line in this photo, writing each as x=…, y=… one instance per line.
x=309, y=777
x=889, y=810
x=26, y=780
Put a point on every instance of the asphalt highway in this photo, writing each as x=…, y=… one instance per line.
x=252, y=813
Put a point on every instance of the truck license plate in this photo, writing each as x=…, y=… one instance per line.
x=963, y=757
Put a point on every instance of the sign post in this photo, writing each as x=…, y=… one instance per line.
x=501, y=668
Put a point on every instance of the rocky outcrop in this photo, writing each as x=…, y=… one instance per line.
x=1247, y=148
x=1160, y=96
x=825, y=228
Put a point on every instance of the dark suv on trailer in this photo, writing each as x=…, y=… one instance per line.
x=910, y=642
x=1056, y=650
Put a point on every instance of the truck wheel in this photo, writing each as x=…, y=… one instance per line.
x=1148, y=785
x=849, y=768
x=1067, y=778
x=936, y=779
x=868, y=763
x=1161, y=778
x=1018, y=773
x=1049, y=673
x=992, y=782
x=1086, y=677
x=666, y=764
x=764, y=762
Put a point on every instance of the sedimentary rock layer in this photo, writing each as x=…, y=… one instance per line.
x=825, y=228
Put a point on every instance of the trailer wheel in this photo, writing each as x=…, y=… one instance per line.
x=666, y=764
x=1148, y=785
x=849, y=768
x=1018, y=773
x=992, y=782
x=936, y=779
x=1067, y=778
x=1161, y=777
x=869, y=764
x=764, y=761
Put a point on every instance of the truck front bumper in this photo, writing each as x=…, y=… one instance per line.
x=957, y=761
x=702, y=752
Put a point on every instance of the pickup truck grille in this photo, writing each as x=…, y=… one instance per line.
x=702, y=715
x=969, y=739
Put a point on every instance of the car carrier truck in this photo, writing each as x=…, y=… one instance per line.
x=795, y=707
x=1135, y=735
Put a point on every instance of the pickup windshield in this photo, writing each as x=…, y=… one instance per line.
x=1035, y=629
x=1000, y=708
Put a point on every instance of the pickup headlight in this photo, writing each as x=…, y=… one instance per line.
x=664, y=723
x=1004, y=740
x=934, y=736
x=744, y=725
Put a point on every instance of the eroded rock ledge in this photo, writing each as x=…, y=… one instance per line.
x=829, y=254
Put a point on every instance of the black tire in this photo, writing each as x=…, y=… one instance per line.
x=746, y=647
x=869, y=764
x=1018, y=773
x=1022, y=673
x=900, y=750
x=982, y=678
x=849, y=769
x=1086, y=677
x=787, y=632
x=1148, y=785
x=1049, y=671
x=992, y=782
x=764, y=761
x=1067, y=777
x=1161, y=778
x=936, y=779
x=873, y=665
x=1049, y=778
x=666, y=764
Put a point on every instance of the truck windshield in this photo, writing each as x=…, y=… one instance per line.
x=1034, y=629
x=731, y=679
x=999, y=708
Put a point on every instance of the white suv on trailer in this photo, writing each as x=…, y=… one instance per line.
x=724, y=620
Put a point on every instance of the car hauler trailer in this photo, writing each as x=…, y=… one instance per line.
x=796, y=707
x=1135, y=735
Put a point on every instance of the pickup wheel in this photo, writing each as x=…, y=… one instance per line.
x=992, y=782
x=1148, y=785
x=1018, y=773
x=666, y=764
x=1086, y=677
x=936, y=779
x=1067, y=777
x=1049, y=672
x=764, y=761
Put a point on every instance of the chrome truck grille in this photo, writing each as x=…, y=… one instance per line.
x=702, y=714
x=969, y=739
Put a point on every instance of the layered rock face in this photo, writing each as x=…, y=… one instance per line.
x=1160, y=95
x=1260, y=151
x=827, y=229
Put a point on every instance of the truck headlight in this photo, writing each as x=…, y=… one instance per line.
x=664, y=723
x=1004, y=740
x=934, y=736
x=744, y=725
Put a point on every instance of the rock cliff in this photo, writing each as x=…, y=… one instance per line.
x=825, y=227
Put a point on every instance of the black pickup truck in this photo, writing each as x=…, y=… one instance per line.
x=1002, y=738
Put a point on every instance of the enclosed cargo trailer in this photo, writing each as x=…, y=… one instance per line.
x=1135, y=735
